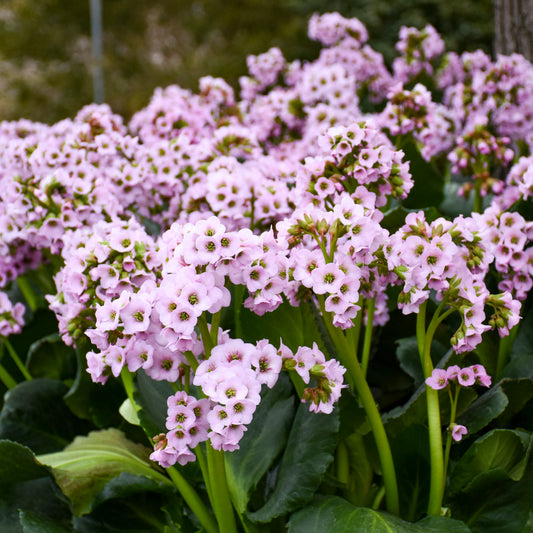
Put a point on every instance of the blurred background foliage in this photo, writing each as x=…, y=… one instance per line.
x=45, y=45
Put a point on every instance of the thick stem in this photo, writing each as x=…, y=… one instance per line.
x=219, y=491
x=504, y=350
x=358, y=382
x=17, y=360
x=27, y=292
x=342, y=464
x=478, y=199
x=368, y=334
x=206, y=336
x=437, y=481
x=193, y=501
x=6, y=379
x=453, y=411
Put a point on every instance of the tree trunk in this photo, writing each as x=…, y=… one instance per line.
x=513, y=27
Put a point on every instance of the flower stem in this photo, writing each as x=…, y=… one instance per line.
x=478, y=199
x=453, y=411
x=6, y=379
x=342, y=464
x=193, y=501
x=504, y=350
x=425, y=338
x=206, y=336
x=358, y=383
x=219, y=491
x=28, y=293
x=17, y=360
x=371, y=305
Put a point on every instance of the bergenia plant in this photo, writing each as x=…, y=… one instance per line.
x=272, y=310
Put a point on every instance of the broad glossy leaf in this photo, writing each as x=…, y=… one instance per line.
x=428, y=187
x=33, y=522
x=334, y=515
x=35, y=414
x=407, y=354
x=264, y=440
x=50, y=357
x=295, y=325
x=502, y=450
x=151, y=396
x=85, y=467
x=410, y=450
x=493, y=503
x=26, y=485
x=93, y=401
x=18, y=464
x=483, y=410
x=309, y=451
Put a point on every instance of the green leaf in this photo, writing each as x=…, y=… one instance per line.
x=502, y=450
x=264, y=440
x=26, y=485
x=332, y=514
x=428, y=183
x=520, y=366
x=35, y=414
x=493, y=503
x=410, y=450
x=409, y=359
x=50, y=357
x=18, y=464
x=94, y=401
x=85, y=467
x=151, y=396
x=33, y=522
x=129, y=413
x=361, y=471
x=394, y=218
x=295, y=325
x=483, y=410
x=308, y=453
x=454, y=204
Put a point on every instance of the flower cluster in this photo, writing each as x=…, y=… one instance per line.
x=464, y=377
x=418, y=48
x=231, y=381
x=11, y=316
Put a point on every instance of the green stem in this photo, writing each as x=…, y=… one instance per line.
x=371, y=305
x=378, y=499
x=238, y=295
x=342, y=464
x=191, y=359
x=28, y=293
x=206, y=336
x=504, y=350
x=127, y=381
x=215, y=323
x=355, y=333
x=453, y=412
x=219, y=489
x=6, y=379
x=17, y=360
x=478, y=199
x=437, y=481
x=193, y=501
x=202, y=461
x=358, y=382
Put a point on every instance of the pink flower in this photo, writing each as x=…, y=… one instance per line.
x=458, y=431
x=438, y=379
x=466, y=377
